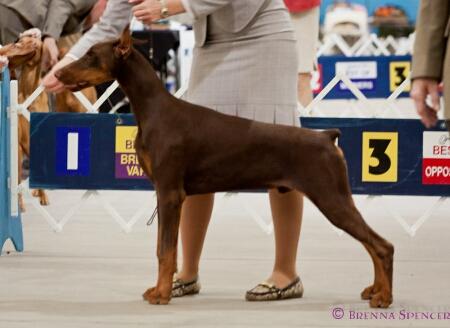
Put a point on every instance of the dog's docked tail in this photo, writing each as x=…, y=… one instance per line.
x=333, y=134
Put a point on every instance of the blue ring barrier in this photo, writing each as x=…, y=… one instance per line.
x=376, y=77
x=10, y=226
x=384, y=156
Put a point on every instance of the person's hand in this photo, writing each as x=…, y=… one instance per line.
x=149, y=11
x=50, y=82
x=50, y=53
x=421, y=89
x=146, y=11
x=32, y=32
x=3, y=62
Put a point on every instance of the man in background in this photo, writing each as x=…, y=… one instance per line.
x=431, y=61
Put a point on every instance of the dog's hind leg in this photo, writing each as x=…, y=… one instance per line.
x=342, y=213
x=377, y=286
x=331, y=194
x=169, y=210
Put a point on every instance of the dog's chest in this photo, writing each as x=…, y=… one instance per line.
x=143, y=156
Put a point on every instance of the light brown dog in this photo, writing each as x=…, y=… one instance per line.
x=25, y=56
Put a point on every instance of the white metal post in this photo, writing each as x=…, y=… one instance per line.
x=14, y=137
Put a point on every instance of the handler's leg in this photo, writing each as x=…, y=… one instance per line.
x=195, y=217
x=284, y=282
x=305, y=93
x=306, y=50
x=287, y=219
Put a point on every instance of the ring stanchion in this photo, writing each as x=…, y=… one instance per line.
x=10, y=219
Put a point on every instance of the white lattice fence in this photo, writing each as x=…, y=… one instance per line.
x=389, y=104
x=367, y=45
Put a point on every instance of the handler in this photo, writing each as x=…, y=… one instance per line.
x=431, y=60
x=244, y=64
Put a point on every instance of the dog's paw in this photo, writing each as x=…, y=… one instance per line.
x=154, y=296
x=368, y=292
x=22, y=207
x=381, y=300
x=146, y=295
x=44, y=199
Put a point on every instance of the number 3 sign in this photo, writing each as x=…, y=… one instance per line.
x=399, y=72
x=380, y=157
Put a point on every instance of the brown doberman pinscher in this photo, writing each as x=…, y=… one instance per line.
x=187, y=149
x=66, y=102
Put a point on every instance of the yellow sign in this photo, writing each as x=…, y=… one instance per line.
x=125, y=136
x=380, y=157
x=399, y=72
x=127, y=163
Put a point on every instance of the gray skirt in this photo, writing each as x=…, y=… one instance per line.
x=254, y=79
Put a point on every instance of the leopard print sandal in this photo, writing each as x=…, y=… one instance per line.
x=269, y=292
x=182, y=288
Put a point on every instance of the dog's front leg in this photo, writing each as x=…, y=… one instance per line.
x=169, y=210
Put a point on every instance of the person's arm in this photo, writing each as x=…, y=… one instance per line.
x=113, y=21
x=58, y=12
x=116, y=17
x=431, y=41
x=428, y=58
x=149, y=11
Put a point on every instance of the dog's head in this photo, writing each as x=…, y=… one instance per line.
x=100, y=64
x=26, y=51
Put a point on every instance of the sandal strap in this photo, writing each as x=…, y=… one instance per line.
x=178, y=283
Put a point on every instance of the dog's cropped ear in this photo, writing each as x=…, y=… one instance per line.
x=123, y=47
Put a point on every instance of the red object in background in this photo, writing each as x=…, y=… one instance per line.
x=296, y=6
x=317, y=80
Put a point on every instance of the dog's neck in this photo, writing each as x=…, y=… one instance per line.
x=29, y=79
x=144, y=89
